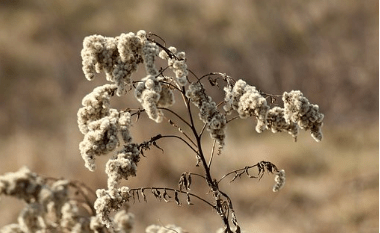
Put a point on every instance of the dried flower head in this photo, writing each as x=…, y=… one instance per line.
x=23, y=184
x=122, y=166
x=276, y=122
x=150, y=52
x=147, y=93
x=11, y=228
x=118, y=57
x=30, y=219
x=247, y=101
x=280, y=181
x=164, y=229
x=70, y=214
x=125, y=123
x=215, y=121
x=105, y=204
x=101, y=139
x=101, y=125
x=96, y=105
x=124, y=221
x=166, y=95
x=300, y=111
x=176, y=62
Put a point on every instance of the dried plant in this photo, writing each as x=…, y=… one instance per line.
x=107, y=131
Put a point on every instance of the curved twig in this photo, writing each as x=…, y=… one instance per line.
x=262, y=167
x=178, y=116
x=178, y=137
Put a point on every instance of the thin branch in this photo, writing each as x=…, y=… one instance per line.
x=153, y=34
x=170, y=54
x=178, y=116
x=178, y=137
x=237, y=173
x=223, y=75
x=203, y=129
x=193, y=74
x=83, y=190
x=262, y=167
x=233, y=118
x=174, y=190
x=196, y=174
x=212, y=154
x=181, y=131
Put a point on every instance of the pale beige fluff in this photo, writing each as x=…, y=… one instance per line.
x=299, y=110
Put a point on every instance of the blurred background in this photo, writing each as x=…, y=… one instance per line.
x=327, y=49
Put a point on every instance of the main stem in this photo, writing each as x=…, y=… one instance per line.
x=213, y=185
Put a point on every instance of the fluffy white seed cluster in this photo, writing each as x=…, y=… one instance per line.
x=276, y=122
x=176, y=62
x=280, y=181
x=118, y=57
x=166, y=95
x=152, y=95
x=23, y=184
x=69, y=214
x=11, y=228
x=300, y=111
x=247, y=101
x=124, y=123
x=101, y=139
x=150, y=52
x=31, y=218
x=124, y=221
x=101, y=125
x=48, y=204
x=96, y=105
x=105, y=204
x=122, y=166
x=208, y=112
x=297, y=112
x=71, y=219
x=164, y=229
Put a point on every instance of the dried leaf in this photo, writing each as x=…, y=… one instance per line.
x=155, y=144
x=143, y=194
x=188, y=181
x=234, y=220
x=176, y=198
x=236, y=176
x=188, y=199
x=133, y=197
x=138, y=115
x=182, y=183
x=172, y=123
x=273, y=99
x=156, y=193
x=165, y=196
x=138, y=196
x=212, y=81
x=176, y=126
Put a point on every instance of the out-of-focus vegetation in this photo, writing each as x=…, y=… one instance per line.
x=327, y=49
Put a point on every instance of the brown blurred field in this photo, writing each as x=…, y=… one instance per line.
x=327, y=49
